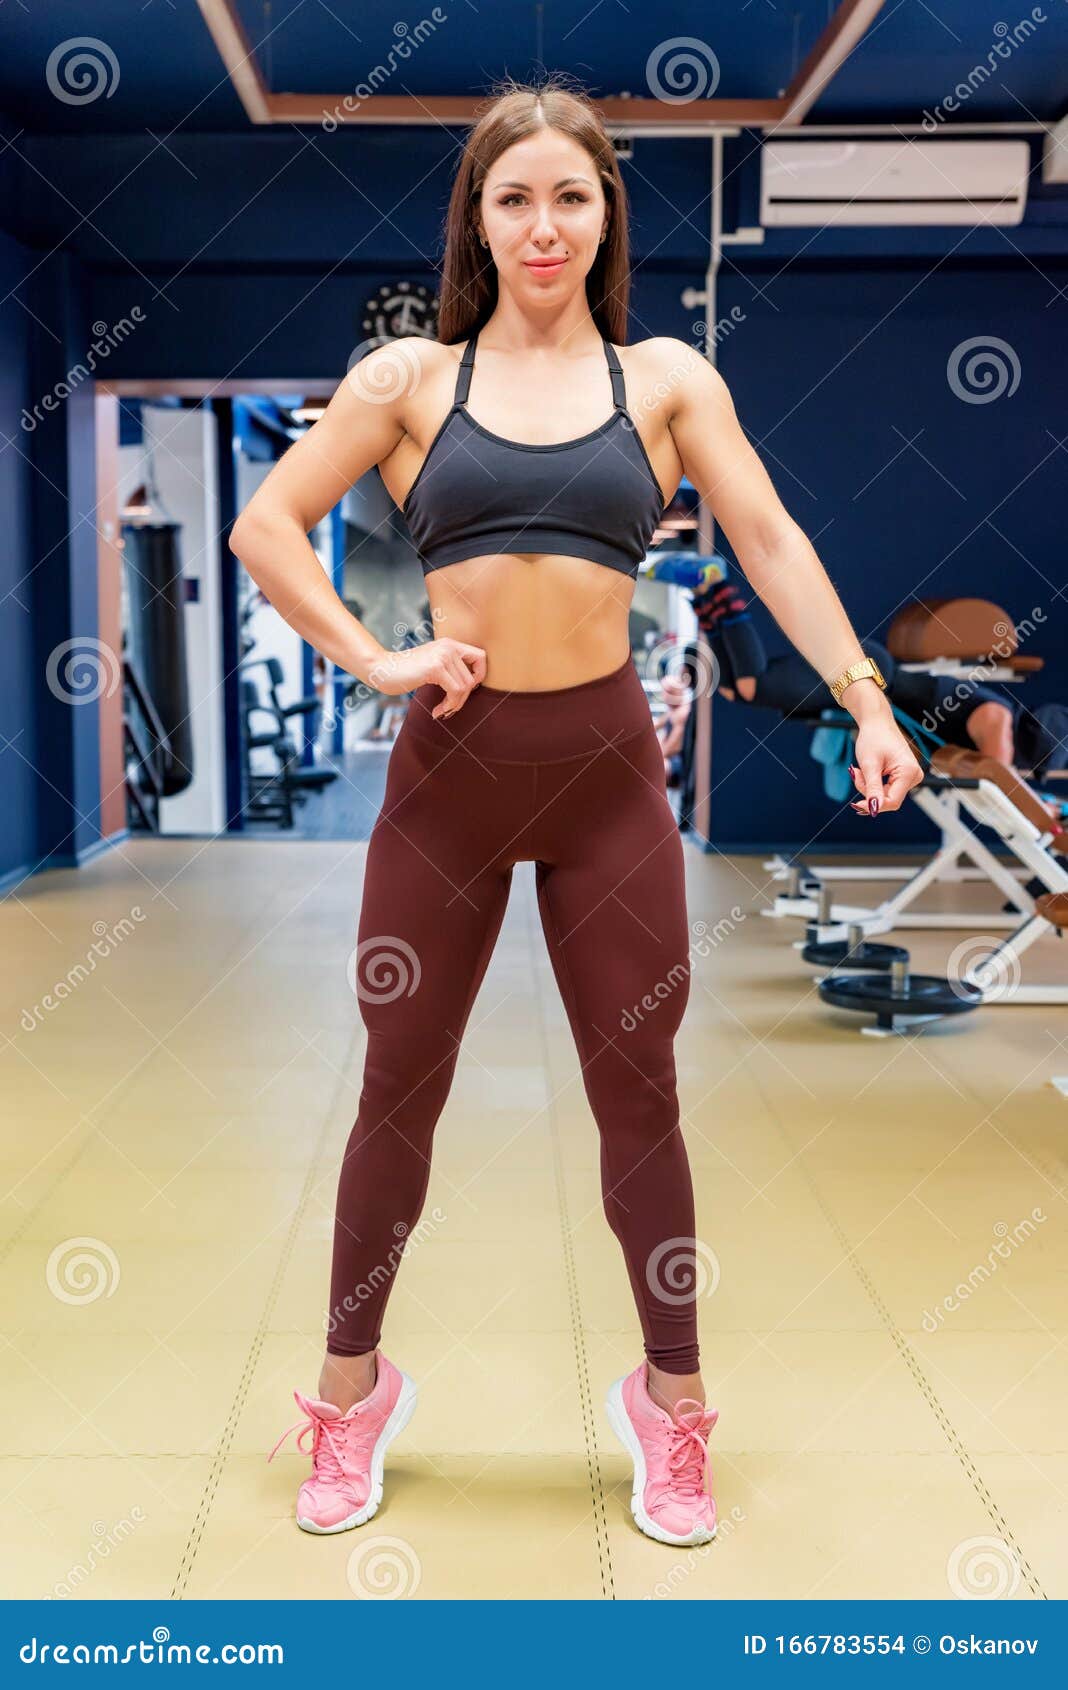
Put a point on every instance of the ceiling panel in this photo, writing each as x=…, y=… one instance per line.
x=158, y=68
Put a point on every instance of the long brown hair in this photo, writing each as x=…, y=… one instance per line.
x=469, y=275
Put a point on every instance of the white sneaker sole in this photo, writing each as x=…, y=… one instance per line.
x=620, y=1422
x=403, y=1409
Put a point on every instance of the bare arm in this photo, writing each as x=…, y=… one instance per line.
x=672, y=740
x=779, y=560
x=270, y=535
x=359, y=428
x=781, y=564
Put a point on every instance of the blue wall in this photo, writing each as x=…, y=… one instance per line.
x=18, y=726
x=832, y=373
x=50, y=718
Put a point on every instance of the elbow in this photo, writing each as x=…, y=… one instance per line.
x=238, y=537
x=259, y=528
x=772, y=547
x=244, y=534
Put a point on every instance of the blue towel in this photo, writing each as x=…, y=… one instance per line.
x=833, y=747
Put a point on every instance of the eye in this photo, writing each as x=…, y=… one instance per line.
x=570, y=194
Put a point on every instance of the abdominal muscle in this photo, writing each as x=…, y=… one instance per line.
x=543, y=620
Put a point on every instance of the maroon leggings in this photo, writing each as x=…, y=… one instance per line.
x=572, y=779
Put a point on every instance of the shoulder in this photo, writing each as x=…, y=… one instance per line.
x=388, y=377
x=399, y=365
x=675, y=372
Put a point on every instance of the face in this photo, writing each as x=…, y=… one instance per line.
x=542, y=200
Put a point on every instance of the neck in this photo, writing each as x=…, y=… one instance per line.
x=570, y=330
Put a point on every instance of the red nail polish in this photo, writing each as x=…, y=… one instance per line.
x=873, y=806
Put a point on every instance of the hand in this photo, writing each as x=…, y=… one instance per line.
x=883, y=752
x=453, y=665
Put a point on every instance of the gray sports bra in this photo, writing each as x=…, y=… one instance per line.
x=595, y=497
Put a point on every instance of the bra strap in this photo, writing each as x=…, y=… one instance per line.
x=619, y=391
x=463, y=379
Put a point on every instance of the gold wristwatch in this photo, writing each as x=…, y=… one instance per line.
x=856, y=672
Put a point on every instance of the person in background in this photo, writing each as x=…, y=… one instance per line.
x=676, y=692
x=960, y=712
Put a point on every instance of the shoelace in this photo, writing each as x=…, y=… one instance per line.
x=325, y=1452
x=688, y=1455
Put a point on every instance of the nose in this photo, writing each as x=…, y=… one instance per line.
x=544, y=229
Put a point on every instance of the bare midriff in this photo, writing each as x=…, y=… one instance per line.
x=543, y=620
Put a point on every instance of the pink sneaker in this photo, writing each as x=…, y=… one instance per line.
x=671, y=1499
x=348, y=1451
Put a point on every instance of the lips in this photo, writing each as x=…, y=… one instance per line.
x=545, y=267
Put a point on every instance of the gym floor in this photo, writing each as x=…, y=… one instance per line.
x=172, y=1134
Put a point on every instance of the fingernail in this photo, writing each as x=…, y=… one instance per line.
x=873, y=806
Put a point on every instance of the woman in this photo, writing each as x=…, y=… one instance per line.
x=532, y=477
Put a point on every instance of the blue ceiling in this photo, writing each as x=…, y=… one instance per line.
x=169, y=74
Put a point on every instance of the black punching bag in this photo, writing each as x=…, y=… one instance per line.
x=156, y=605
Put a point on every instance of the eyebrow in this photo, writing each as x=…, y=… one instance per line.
x=561, y=184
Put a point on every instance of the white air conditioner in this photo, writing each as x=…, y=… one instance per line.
x=805, y=184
